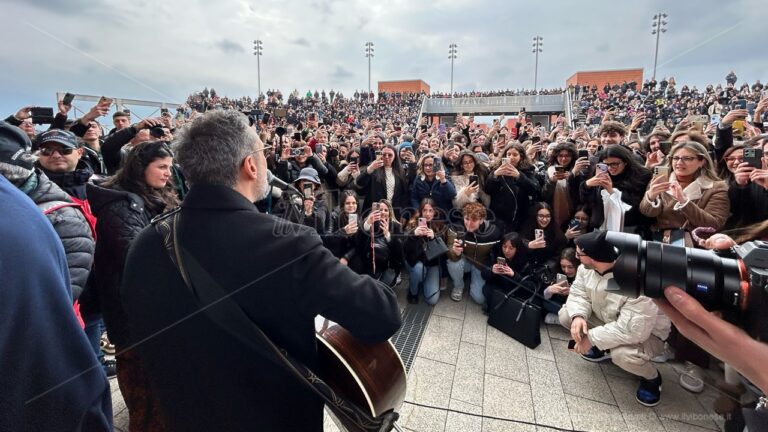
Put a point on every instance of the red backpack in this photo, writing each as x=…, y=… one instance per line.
x=85, y=209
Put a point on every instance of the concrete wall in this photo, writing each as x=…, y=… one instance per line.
x=600, y=78
x=405, y=86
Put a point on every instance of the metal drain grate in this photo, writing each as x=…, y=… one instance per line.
x=408, y=338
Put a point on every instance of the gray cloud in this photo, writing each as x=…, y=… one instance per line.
x=340, y=74
x=229, y=47
x=301, y=42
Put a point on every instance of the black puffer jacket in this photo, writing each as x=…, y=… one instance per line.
x=71, y=227
x=121, y=216
x=511, y=197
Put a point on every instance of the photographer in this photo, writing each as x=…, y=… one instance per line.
x=295, y=158
x=308, y=210
x=431, y=182
x=564, y=174
x=344, y=227
x=628, y=331
x=378, y=245
x=749, y=191
x=347, y=175
x=420, y=230
x=383, y=179
x=511, y=186
x=507, y=276
x=556, y=294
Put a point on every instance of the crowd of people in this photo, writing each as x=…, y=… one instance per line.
x=389, y=194
x=507, y=92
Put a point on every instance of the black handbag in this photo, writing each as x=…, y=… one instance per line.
x=435, y=248
x=518, y=319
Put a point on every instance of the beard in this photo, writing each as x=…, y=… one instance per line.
x=263, y=189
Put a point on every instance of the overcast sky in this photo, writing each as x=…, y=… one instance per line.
x=163, y=50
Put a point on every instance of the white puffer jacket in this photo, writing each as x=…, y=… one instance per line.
x=627, y=321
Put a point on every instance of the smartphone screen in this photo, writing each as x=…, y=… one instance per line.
x=307, y=191
x=501, y=261
x=583, y=153
x=602, y=167
x=539, y=233
x=352, y=218
x=474, y=179
x=562, y=278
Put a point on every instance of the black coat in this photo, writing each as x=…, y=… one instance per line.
x=374, y=188
x=120, y=217
x=511, y=197
x=206, y=379
x=632, y=192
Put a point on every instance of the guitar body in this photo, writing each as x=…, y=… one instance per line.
x=370, y=376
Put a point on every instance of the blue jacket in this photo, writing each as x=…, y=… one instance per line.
x=442, y=193
x=51, y=379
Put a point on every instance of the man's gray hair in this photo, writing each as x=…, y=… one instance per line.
x=211, y=148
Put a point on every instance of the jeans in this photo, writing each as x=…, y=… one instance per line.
x=94, y=327
x=457, y=269
x=430, y=276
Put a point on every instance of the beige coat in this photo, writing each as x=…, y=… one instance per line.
x=708, y=206
x=627, y=321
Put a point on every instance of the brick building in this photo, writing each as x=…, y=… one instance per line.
x=600, y=78
x=404, y=86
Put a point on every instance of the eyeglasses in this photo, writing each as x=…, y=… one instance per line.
x=545, y=216
x=469, y=162
x=48, y=151
x=580, y=254
x=265, y=148
x=387, y=155
x=734, y=158
x=614, y=164
x=685, y=159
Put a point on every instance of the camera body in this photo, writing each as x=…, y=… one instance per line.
x=734, y=281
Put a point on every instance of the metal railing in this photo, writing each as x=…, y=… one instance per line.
x=495, y=104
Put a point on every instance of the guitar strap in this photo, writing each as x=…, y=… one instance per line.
x=216, y=303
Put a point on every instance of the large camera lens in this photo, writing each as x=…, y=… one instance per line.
x=646, y=268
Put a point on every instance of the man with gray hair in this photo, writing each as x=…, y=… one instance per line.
x=281, y=283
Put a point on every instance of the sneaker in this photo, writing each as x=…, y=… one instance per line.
x=665, y=355
x=691, y=379
x=595, y=355
x=106, y=345
x=649, y=391
x=443, y=284
x=551, y=318
x=413, y=299
x=110, y=367
x=456, y=294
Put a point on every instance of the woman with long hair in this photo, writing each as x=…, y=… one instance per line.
x=730, y=162
x=511, y=186
x=378, y=246
x=563, y=177
x=692, y=196
x=467, y=188
x=427, y=224
x=507, y=267
x=124, y=205
x=542, y=237
x=431, y=182
x=344, y=227
x=624, y=182
x=383, y=179
x=556, y=294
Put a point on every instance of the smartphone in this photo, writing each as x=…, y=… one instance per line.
x=539, y=233
x=308, y=191
x=354, y=159
x=561, y=278
x=68, y=98
x=441, y=128
x=352, y=218
x=422, y=222
x=297, y=136
x=583, y=153
x=754, y=156
x=156, y=132
x=474, y=179
x=105, y=100
x=378, y=154
x=535, y=139
x=559, y=168
x=602, y=167
x=41, y=115
x=501, y=261
x=265, y=118
x=571, y=345
x=661, y=171
x=398, y=128
x=574, y=224
x=740, y=104
x=460, y=237
x=436, y=165
x=504, y=161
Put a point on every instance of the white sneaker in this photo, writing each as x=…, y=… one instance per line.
x=551, y=318
x=456, y=294
x=691, y=379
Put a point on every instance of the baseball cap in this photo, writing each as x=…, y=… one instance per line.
x=59, y=136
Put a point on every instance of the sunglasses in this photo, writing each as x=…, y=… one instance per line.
x=64, y=151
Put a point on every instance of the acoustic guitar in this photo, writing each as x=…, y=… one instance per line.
x=371, y=376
